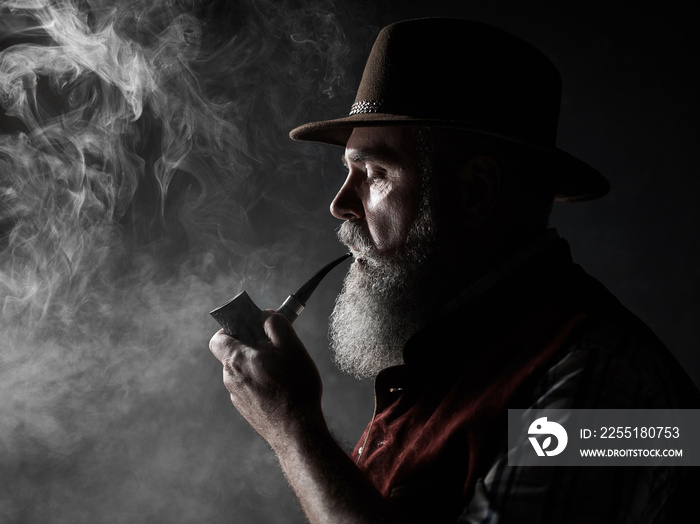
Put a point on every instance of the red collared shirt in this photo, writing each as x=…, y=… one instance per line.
x=436, y=444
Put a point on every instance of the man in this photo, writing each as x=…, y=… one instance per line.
x=460, y=302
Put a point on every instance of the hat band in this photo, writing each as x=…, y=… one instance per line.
x=366, y=106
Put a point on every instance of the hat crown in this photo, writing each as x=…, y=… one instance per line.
x=449, y=72
x=462, y=71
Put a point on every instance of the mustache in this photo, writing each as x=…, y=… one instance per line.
x=355, y=235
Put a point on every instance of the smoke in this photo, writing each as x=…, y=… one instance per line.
x=145, y=177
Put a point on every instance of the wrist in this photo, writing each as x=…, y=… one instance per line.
x=302, y=434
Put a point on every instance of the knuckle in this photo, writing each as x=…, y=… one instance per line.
x=214, y=343
x=232, y=364
x=220, y=343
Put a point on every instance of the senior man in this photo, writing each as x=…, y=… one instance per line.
x=460, y=301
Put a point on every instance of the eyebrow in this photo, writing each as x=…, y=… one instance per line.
x=376, y=153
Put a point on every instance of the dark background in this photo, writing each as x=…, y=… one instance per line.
x=111, y=407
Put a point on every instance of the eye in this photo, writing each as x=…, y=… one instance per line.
x=375, y=175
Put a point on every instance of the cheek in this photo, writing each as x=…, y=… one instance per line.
x=389, y=217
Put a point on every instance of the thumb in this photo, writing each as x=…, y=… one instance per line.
x=279, y=330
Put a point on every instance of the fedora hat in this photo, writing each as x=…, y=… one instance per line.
x=454, y=73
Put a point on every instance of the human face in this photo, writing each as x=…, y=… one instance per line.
x=382, y=188
x=389, y=223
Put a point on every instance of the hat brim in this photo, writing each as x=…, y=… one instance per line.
x=576, y=181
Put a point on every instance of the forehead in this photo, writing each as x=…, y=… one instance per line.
x=393, y=145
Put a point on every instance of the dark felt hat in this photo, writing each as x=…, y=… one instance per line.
x=461, y=74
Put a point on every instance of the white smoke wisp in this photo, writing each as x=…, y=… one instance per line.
x=72, y=176
x=140, y=141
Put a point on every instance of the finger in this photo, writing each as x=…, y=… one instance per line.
x=278, y=329
x=222, y=345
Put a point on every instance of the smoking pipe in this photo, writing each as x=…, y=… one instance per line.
x=241, y=318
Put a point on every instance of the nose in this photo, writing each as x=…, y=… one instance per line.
x=347, y=204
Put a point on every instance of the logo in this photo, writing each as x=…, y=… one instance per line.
x=543, y=427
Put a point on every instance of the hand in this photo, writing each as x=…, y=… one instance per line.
x=275, y=386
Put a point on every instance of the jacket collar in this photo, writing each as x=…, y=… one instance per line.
x=532, y=279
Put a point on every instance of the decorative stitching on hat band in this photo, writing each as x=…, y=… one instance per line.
x=366, y=106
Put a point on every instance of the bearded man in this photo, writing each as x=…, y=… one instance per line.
x=460, y=302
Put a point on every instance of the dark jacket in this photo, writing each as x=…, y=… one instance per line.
x=440, y=424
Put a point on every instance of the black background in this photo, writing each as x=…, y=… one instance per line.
x=118, y=414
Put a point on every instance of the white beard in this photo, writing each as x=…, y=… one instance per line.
x=384, y=300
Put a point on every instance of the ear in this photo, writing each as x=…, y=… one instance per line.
x=479, y=181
